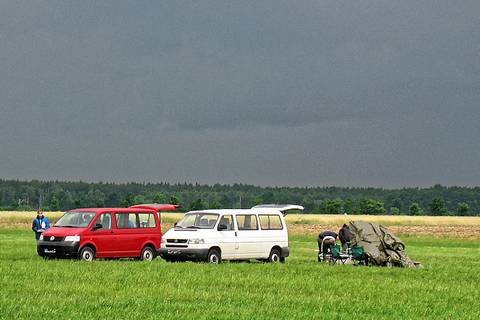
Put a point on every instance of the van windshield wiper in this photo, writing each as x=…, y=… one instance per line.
x=192, y=227
x=67, y=226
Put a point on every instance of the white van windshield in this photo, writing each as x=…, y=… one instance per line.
x=200, y=220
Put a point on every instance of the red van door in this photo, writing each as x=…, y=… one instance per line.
x=128, y=234
x=150, y=228
x=103, y=237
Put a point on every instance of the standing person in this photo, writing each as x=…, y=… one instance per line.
x=345, y=236
x=40, y=224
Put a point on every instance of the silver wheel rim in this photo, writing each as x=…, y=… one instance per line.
x=87, y=256
x=147, y=255
x=213, y=258
x=275, y=258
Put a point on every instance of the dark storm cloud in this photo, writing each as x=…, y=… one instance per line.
x=264, y=92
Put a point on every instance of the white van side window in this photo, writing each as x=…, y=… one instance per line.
x=270, y=222
x=227, y=221
x=247, y=222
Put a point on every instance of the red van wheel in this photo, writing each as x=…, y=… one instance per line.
x=147, y=254
x=87, y=254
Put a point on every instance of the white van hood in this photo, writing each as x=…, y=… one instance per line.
x=188, y=233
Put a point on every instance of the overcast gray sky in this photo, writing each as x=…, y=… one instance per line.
x=348, y=93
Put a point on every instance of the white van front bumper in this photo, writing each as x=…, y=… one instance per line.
x=170, y=254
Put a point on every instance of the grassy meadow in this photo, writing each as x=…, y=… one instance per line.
x=446, y=288
x=21, y=218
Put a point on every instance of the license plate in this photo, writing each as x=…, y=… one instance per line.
x=49, y=251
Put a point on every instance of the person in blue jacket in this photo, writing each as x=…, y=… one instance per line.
x=40, y=224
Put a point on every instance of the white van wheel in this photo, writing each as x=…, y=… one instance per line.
x=275, y=256
x=87, y=254
x=147, y=254
x=214, y=256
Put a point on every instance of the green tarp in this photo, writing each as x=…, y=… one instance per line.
x=380, y=245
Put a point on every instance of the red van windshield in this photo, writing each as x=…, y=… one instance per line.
x=75, y=219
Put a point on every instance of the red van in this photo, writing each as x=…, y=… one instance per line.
x=90, y=233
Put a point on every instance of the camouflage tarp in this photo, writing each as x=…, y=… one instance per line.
x=380, y=245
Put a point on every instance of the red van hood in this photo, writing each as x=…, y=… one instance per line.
x=62, y=232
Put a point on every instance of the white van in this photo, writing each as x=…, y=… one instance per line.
x=229, y=234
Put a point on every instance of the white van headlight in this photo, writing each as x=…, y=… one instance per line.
x=163, y=240
x=196, y=241
x=41, y=237
x=72, y=238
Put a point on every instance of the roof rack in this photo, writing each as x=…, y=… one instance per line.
x=157, y=206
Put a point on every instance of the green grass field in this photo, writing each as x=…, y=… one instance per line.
x=446, y=288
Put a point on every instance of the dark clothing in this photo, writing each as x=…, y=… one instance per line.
x=39, y=224
x=327, y=244
x=345, y=235
x=326, y=233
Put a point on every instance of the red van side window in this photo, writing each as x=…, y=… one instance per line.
x=105, y=219
x=135, y=220
x=147, y=220
x=126, y=220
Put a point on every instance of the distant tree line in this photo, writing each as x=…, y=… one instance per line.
x=59, y=195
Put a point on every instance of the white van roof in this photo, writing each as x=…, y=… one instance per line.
x=283, y=208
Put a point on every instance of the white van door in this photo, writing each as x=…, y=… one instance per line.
x=227, y=238
x=248, y=237
x=274, y=231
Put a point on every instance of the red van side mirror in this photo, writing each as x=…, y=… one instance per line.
x=97, y=226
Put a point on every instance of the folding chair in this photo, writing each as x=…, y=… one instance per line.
x=359, y=255
x=337, y=255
